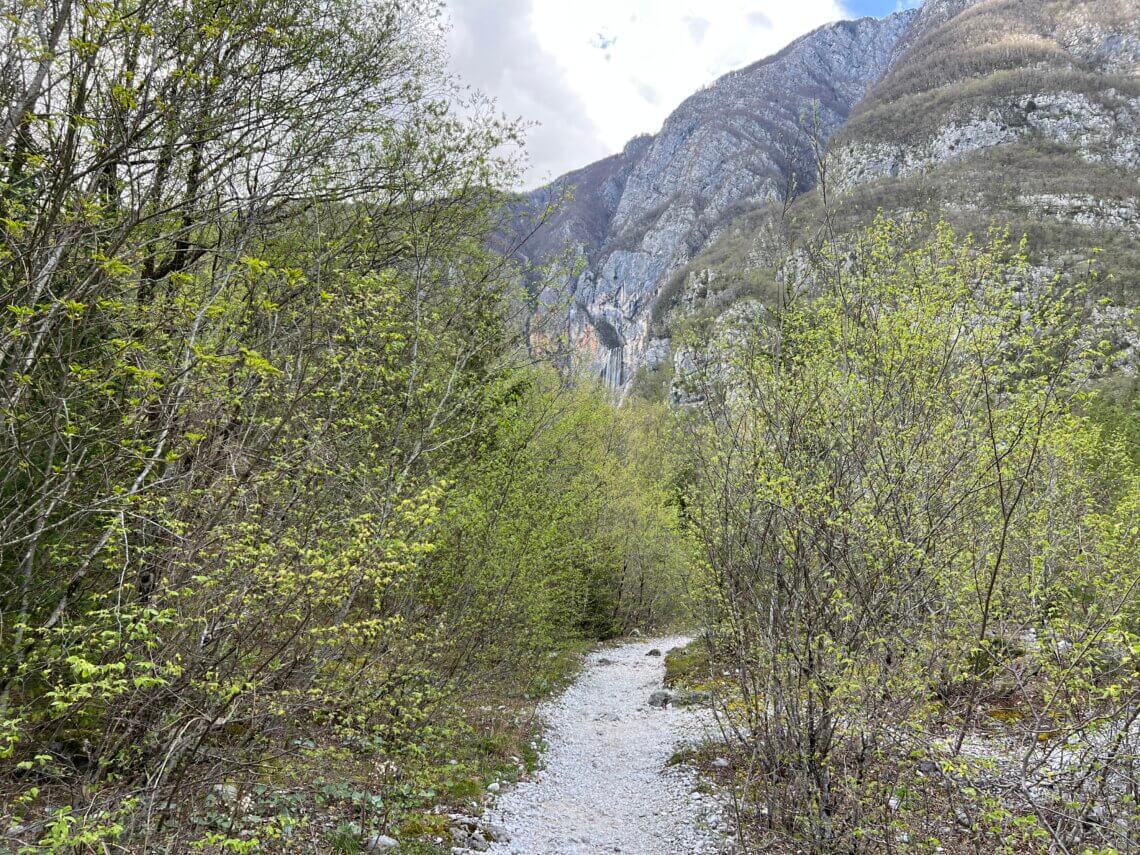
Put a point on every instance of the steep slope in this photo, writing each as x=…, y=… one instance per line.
x=994, y=112
x=1016, y=109
x=581, y=206
x=638, y=216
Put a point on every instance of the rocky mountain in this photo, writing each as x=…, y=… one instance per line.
x=636, y=217
x=1019, y=112
x=1012, y=110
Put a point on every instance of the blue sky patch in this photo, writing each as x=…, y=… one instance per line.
x=877, y=8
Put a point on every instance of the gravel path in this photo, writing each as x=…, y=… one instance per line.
x=604, y=786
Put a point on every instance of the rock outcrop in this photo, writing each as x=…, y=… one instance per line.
x=1019, y=112
x=751, y=137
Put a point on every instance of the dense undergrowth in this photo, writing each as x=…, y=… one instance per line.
x=920, y=514
x=293, y=531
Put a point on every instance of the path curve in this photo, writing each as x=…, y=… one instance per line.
x=604, y=786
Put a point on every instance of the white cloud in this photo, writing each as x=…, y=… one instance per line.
x=493, y=48
x=697, y=28
x=594, y=73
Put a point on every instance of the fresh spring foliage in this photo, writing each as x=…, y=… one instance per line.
x=283, y=509
x=922, y=559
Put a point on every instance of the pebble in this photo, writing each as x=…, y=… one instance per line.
x=660, y=698
x=605, y=785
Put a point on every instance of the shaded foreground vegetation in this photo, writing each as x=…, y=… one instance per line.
x=292, y=533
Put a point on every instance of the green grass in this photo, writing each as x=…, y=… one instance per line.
x=687, y=666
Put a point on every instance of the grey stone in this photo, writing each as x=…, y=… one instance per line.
x=692, y=698
x=661, y=698
x=498, y=833
x=459, y=834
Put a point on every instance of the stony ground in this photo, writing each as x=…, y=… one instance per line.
x=605, y=786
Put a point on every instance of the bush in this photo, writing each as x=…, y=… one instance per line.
x=906, y=523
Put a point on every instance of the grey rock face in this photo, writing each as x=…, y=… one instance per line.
x=1095, y=133
x=1016, y=111
x=639, y=215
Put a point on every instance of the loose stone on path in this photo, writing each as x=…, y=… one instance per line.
x=605, y=786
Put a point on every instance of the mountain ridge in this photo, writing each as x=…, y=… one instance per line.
x=746, y=139
x=981, y=111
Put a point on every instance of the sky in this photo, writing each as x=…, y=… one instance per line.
x=877, y=8
x=591, y=74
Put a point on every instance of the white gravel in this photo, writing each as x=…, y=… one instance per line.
x=604, y=786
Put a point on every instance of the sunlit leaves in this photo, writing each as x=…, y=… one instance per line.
x=907, y=517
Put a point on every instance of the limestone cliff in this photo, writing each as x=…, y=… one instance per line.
x=1018, y=112
x=635, y=218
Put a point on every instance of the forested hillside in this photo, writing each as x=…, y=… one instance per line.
x=291, y=531
x=993, y=114
x=1021, y=113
